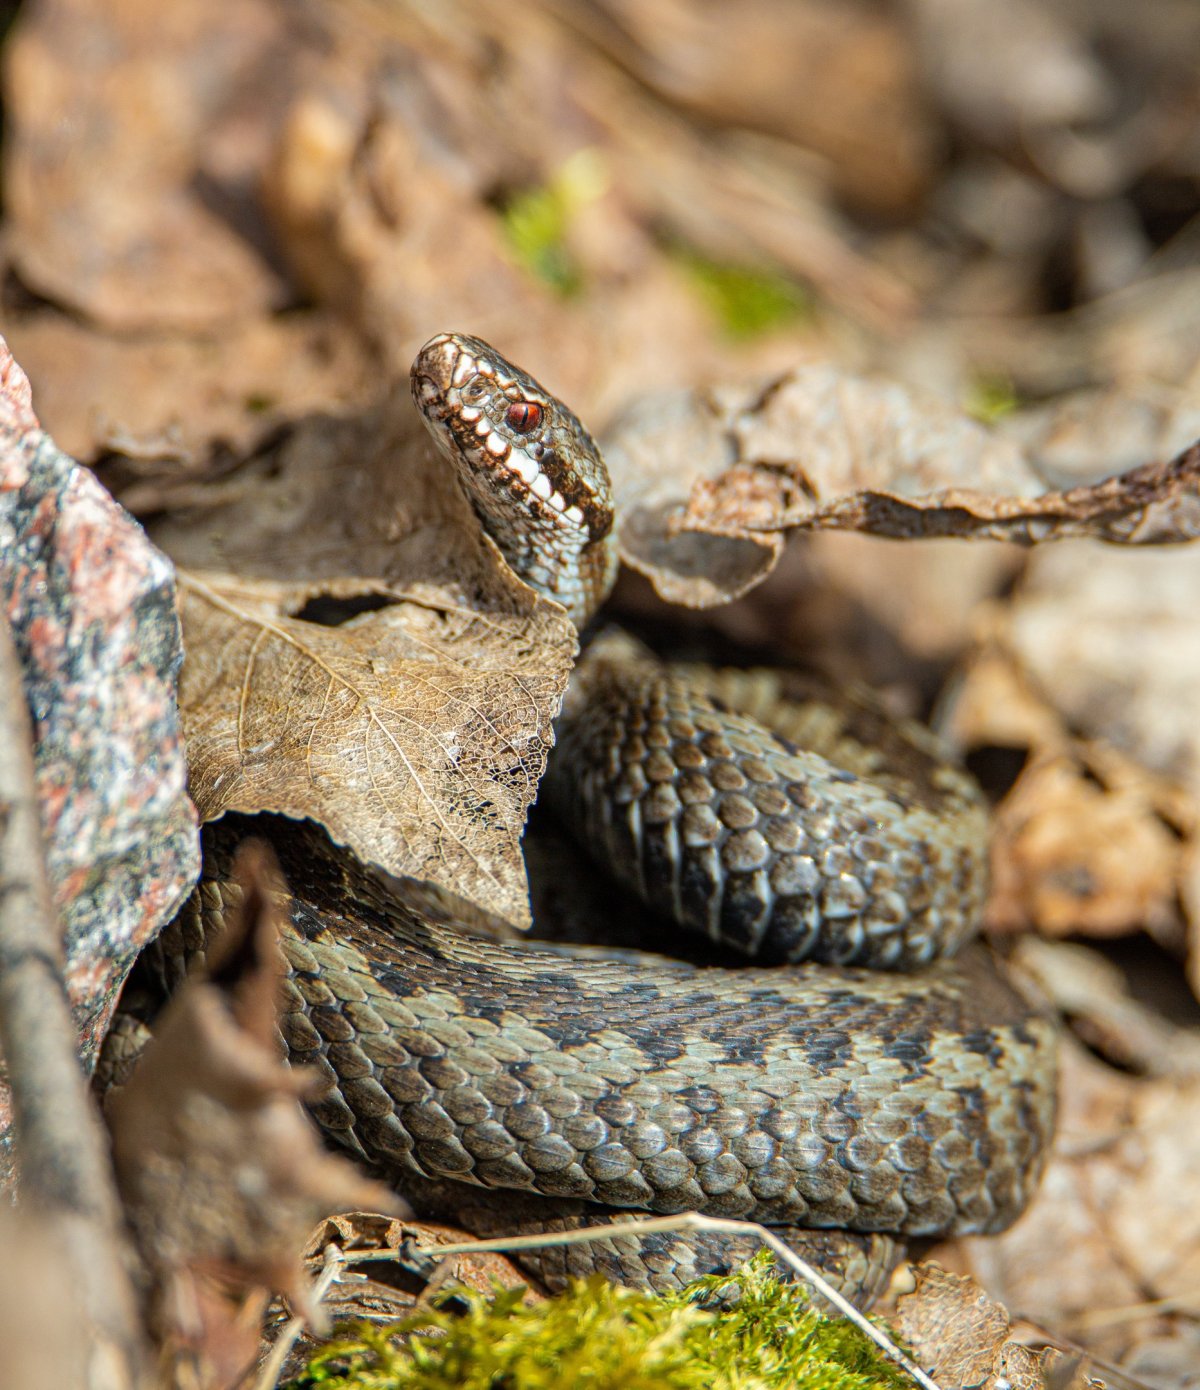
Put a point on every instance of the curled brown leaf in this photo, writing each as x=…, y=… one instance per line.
x=221, y=1173
x=961, y=1336
x=710, y=482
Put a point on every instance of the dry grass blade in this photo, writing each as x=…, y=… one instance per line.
x=272, y=1366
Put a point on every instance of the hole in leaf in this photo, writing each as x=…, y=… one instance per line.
x=996, y=767
x=333, y=611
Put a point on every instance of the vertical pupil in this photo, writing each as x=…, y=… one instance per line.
x=524, y=416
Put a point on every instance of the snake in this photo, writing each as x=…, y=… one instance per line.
x=858, y=1073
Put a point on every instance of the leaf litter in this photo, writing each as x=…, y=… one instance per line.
x=368, y=164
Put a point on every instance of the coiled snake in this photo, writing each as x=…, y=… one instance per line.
x=817, y=1095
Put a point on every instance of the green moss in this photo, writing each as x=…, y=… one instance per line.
x=536, y=221
x=990, y=398
x=746, y=301
x=596, y=1336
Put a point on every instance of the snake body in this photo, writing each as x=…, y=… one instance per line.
x=813, y=1093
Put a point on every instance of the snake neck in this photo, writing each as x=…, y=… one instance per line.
x=531, y=470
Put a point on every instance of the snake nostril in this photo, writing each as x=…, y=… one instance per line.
x=474, y=391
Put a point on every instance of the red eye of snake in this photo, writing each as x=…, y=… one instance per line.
x=523, y=416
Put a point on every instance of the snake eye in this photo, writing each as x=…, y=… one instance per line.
x=523, y=416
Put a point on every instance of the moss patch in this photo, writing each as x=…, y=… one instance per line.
x=537, y=221
x=596, y=1336
x=746, y=300
x=990, y=398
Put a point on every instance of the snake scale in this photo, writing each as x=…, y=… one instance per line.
x=803, y=1090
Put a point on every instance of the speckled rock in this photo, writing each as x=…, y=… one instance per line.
x=92, y=608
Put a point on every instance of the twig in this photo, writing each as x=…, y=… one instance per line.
x=62, y=1157
x=687, y=1221
x=268, y=1375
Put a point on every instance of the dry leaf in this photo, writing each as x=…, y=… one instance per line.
x=164, y=251
x=655, y=452
x=359, y=1232
x=708, y=483
x=1092, y=669
x=416, y=730
x=1073, y=438
x=1115, y=648
x=1085, y=840
x=221, y=1172
x=172, y=403
x=862, y=114
x=961, y=1337
x=1113, y=641
x=1003, y=73
x=372, y=223
x=1093, y=995
x=384, y=1290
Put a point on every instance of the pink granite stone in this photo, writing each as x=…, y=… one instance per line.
x=92, y=608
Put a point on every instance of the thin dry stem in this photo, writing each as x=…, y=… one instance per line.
x=272, y=1366
x=65, y=1173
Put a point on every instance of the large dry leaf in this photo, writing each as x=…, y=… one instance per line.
x=415, y=731
x=710, y=482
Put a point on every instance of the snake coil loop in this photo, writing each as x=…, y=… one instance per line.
x=521, y=1087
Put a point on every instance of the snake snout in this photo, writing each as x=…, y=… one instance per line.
x=433, y=372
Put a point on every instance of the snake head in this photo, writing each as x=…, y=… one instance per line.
x=523, y=457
